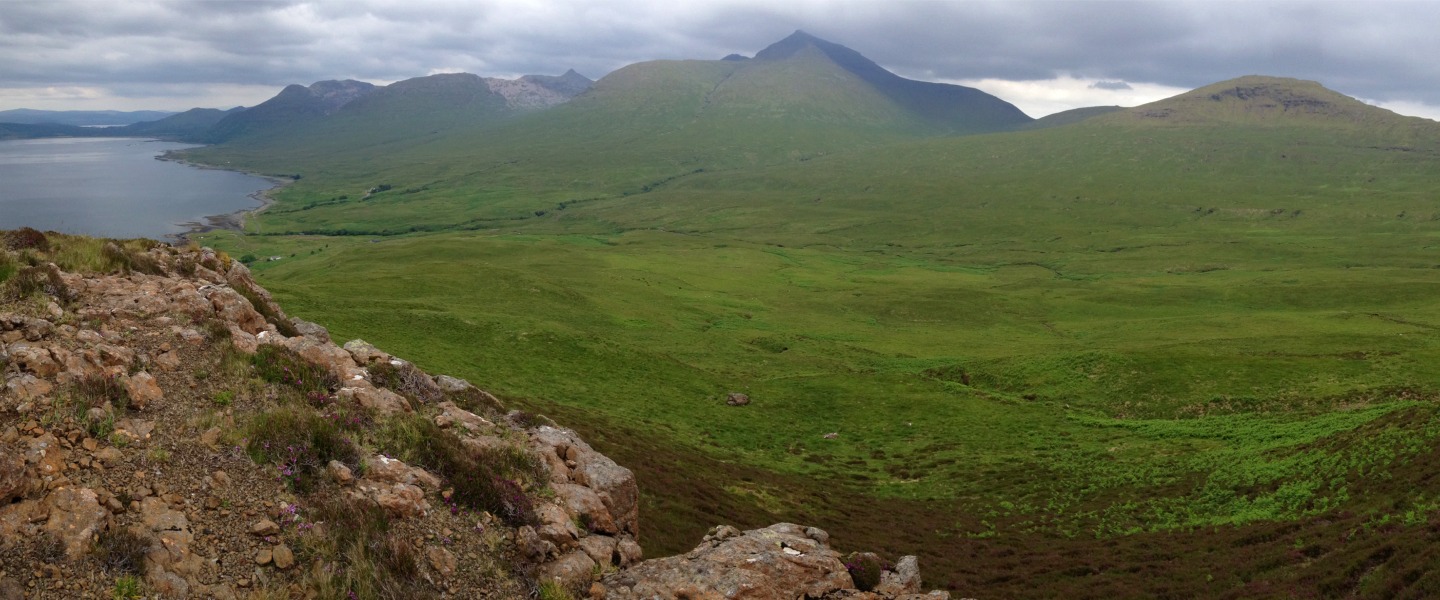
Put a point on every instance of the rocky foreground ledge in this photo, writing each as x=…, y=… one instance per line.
x=167, y=431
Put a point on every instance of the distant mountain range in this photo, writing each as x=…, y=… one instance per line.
x=79, y=118
x=799, y=82
x=297, y=105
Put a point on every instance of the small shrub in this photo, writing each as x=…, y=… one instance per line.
x=277, y=364
x=527, y=420
x=223, y=397
x=406, y=379
x=122, y=550
x=185, y=266
x=299, y=443
x=216, y=330
x=49, y=549
x=492, y=482
x=143, y=262
x=116, y=256
x=476, y=401
x=248, y=259
x=26, y=238
x=32, y=280
x=865, y=568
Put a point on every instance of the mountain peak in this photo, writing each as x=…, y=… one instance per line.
x=794, y=43
x=952, y=107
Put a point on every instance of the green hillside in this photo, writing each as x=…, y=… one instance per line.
x=1074, y=115
x=186, y=126
x=296, y=105
x=639, y=128
x=1187, y=349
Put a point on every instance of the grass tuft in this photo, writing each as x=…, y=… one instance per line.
x=128, y=587
x=367, y=559
x=551, y=590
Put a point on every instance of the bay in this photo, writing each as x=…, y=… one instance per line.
x=114, y=187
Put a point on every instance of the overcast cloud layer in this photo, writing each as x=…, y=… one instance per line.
x=1043, y=56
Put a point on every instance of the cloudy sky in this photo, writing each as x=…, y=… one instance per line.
x=1044, y=56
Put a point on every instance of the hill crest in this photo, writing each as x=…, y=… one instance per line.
x=1261, y=100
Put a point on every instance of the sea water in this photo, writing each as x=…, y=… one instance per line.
x=114, y=187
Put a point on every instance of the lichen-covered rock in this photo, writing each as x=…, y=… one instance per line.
x=399, y=499
x=442, y=561
x=586, y=505
x=779, y=561
x=556, y=526
x=382, y=401
x=365, y=353
x=612, y=483
x=27, y=387
x=45, y=455
x=310, y=330
x=323, y=354
x=34, y=359
x=14, y=477
x=21, y=327
x=384, y=469
x=903, y=579
x=76, y=517
x=452, y=416
x=143, y=390
x=571, y=571
x=234, y=308
x=601, y=549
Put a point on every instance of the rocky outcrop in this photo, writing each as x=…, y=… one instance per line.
x=782, y=561
x=112, y=427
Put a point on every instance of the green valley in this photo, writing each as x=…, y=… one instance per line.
x=1188, y=348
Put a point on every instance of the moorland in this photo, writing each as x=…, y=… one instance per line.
x=1182, y=349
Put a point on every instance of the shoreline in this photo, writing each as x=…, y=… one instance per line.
x=234, y=221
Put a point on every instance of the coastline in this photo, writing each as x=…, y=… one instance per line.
x=234, y=221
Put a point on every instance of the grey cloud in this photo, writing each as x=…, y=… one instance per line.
x=1377, y=50
x=1110, y=85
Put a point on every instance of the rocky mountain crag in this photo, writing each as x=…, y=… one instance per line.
x=167, y=431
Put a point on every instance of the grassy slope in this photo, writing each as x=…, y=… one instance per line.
x=1082, y=331
x=640, y=127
